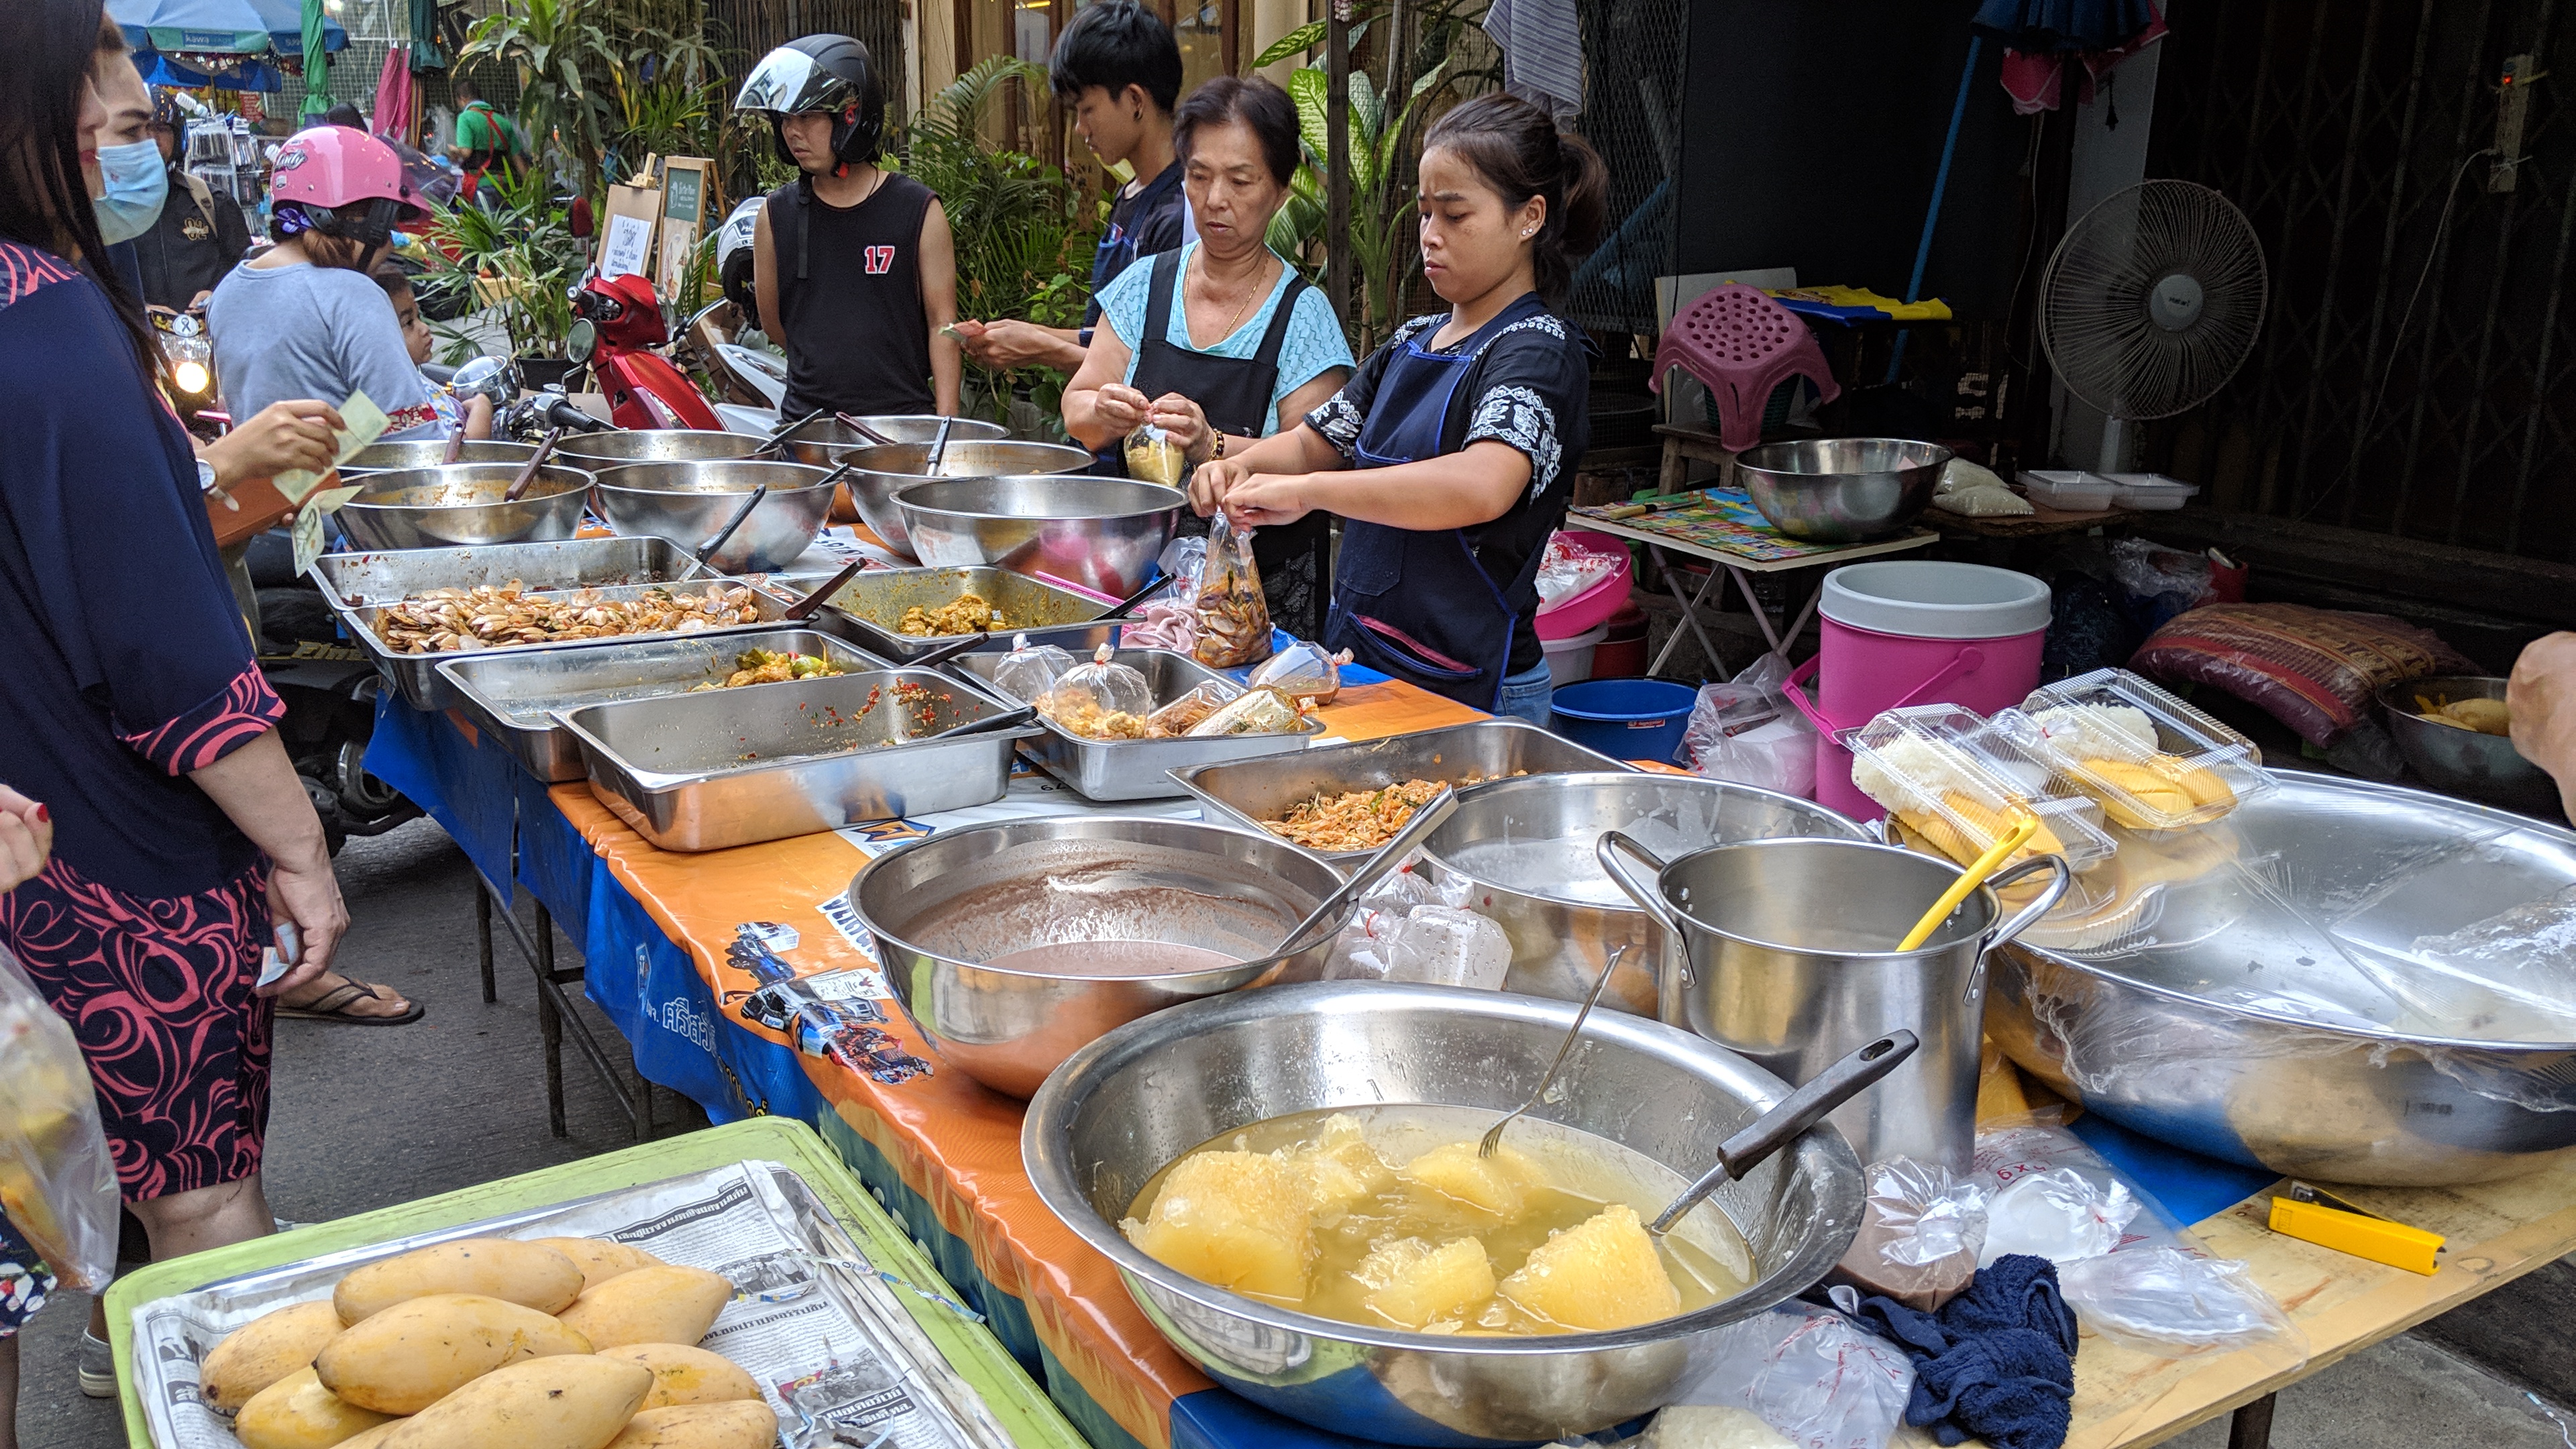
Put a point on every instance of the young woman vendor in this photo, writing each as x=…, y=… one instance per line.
x=1450, y=454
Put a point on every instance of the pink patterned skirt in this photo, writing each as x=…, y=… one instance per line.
x=159, y=991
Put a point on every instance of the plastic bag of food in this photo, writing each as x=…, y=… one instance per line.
x=1263, y=711
x=1101, y=700
x=1304, y=671
x=1745, y=730
x=1567, y=568
x=2081, y=1183
x=1152, y=457
x=1921, y=1230
x=1029, y=671
x=2171, y=1303
x=1234, y=619
x=1192, y=709
x=57, y=1182
x=2315, y=670
x=1185, y=559
x=1408, y=928
x=1819, y=1379
x=1971, y=491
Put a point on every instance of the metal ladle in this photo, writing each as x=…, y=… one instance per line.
x=1784, y=1124
x=938, y=448
x=1424, y=821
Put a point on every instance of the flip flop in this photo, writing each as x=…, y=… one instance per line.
x=334, y=1004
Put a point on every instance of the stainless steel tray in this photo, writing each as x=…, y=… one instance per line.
x=1142, y=769
x=703, y=772
x=1248, y=792
x=874, y=601
x=387, y=576
x=514, y=693
x=417, y=676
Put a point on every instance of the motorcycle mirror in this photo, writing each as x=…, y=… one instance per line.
x=496, y=378
x=581, y=339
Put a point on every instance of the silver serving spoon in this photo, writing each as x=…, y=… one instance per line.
x=1494, y=1135
x=1797, y=1112
x=1388, y=857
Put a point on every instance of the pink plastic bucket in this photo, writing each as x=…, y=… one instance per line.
x=1907, y=632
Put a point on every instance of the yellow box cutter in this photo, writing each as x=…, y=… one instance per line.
x=2313, y=1215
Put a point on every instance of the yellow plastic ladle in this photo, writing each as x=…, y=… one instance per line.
x=2024, y=826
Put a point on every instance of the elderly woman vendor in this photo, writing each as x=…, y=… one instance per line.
x=1450, y=455
x=1248, y=349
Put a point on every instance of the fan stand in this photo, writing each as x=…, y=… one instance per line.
x=2115, y=445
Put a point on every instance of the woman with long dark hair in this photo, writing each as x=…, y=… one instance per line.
x=180, y=833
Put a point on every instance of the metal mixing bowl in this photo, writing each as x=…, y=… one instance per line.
x=1126, y=1106
x=882, y=470
x=2464, y=762
x=430, y=453
x=655, y=445
x=1842, y=490
x=940, y=907
x=688, y=503
x=2295, y=1025
x=825, y=440
x=461, y=505
x=1101, y=533
x=1527, y=845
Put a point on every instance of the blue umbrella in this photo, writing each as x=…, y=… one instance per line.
x=249, y=75
x=230, y=27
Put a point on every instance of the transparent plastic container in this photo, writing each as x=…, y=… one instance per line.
x=1958, y=785
x=2150, y=492
x=2151, y=761
x=2073, y=491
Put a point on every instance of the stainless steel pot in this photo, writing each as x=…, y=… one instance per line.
x=941, y=907
x=430, y=453
x=656, y=445
x=688, y=503
x=879, y=471
x=1101, y=533
x=826, y=441
x=1528, y=846
x=461, y=506
x=2464, y=762
x=1786, y=953
x=1123, y=1108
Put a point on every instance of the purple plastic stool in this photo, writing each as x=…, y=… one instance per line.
x=1741, y=344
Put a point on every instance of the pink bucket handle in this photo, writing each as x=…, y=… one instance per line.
x=1797, y=692
x=1960, y=663
x=1965, y=660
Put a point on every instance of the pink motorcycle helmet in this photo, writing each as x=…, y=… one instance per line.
x=331, y=173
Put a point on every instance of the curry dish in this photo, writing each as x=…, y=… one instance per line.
x=1360, y=819
x=965, y=614
x=498, y=616
x=769, y=666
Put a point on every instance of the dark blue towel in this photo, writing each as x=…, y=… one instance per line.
x=1996, y=1363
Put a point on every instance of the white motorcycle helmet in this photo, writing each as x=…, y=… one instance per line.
x=734, y=252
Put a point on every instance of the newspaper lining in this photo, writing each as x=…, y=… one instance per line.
x=813, y=1321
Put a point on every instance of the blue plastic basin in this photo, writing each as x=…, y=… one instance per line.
x=1626, y=719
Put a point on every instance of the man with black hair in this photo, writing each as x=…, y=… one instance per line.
x=1119, y=68
x=198, y=235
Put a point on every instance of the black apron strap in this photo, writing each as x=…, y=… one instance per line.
x=1158, y=300
x=1277, y=337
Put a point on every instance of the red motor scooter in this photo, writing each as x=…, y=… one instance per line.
x=617, y=322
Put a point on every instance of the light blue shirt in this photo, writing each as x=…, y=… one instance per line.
x=1314, y=344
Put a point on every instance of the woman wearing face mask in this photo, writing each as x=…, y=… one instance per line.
x=1450, y=455
x=180, y=833
x=303, y=319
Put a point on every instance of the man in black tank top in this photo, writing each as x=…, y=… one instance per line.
x=854, y=266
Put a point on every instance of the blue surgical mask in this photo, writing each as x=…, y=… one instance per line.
x=138, y=181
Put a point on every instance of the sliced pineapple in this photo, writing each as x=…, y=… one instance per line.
x=1415, y=1285
x=1601, y=1273
x=1235, y=1219
x=1498, y=1184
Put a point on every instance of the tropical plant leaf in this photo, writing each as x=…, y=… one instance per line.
x=1296, y=42
x=1309, y=88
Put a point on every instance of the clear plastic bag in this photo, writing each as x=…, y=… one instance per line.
x=1406, y=924
x=1920, y=1234
x=2061, y=1215
x=1152, y=457
x=2171, y=1303
x=57, y=1181
x=1815, y=1376
x=1185, y=559
x=1747, y=731
x=2038, y=1143
x=1256, y=712
x=1567, y=569
x=1971, y=491
x=1029, y=671
x=1234, y=618
x=1304, y=671
x=1193, y=709
x=1101, y=700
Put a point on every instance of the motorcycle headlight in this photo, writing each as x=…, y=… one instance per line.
x=192, y=379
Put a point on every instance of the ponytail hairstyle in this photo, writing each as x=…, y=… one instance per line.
x=1520, y=153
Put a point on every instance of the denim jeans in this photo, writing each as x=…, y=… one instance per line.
x=1525, y=695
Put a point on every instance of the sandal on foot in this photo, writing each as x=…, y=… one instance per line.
x=334, y=1004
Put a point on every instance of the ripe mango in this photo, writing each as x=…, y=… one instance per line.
x=683, y=1374
x=264, y=1350
x=574, y=1401
x=415, y=1353
x=599, y=1259
x=701, y=1426
x=296, y=1412
x=528, y=1274
x=664, y=1304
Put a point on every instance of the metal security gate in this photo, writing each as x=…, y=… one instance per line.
x=2416, y=375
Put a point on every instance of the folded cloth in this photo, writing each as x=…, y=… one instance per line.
x=1995, y=1363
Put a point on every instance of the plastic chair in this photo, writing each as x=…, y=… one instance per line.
x=1741, y=344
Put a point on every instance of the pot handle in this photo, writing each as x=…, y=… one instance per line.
x=2060, y=879
x=1608, y=849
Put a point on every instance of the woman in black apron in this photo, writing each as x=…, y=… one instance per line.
x=1451, y=454
x=1221, y=343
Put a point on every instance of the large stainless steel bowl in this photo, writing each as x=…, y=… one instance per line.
x=1527, y=845
x=688, y=503
x=430, y=453
x=461, y=505
x=1123, y=1108
x=2464, y=762
x=941, y=907
x=655, y=445
x=1101, y=533
x=880, y=471
x=2302, y=1015
x=826, y=440
x=1842, y=490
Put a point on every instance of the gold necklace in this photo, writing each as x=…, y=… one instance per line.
x=1240, y=308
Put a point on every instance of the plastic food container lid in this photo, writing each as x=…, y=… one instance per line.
x=2151, y=490
x=1927, y=599
x=2110, y=758
x=1955, y=781
x=2077, y=491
